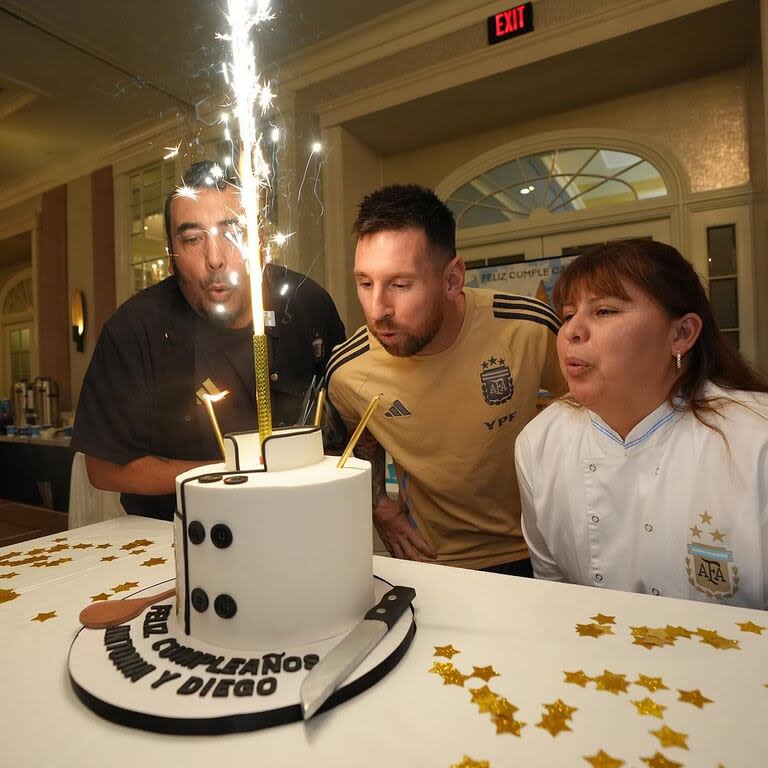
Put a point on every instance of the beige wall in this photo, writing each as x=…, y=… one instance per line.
x=703, y=122
x=80, y=272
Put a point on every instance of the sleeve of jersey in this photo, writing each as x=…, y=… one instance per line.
x=114, y=404
x=552, y=378
x=544, y=565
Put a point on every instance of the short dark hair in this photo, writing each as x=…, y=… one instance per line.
x=205, y=174
x=408, y=206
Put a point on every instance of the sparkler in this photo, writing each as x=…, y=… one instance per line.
x=209, y=400
x=250, y=92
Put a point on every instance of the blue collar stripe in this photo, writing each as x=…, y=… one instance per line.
x=636, y=440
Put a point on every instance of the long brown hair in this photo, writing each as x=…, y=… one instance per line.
x=663, y=274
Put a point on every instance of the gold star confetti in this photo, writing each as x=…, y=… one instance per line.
x=9, y=555
x=154, y=561
x=61, y=538
x=713, y=638
x=41, y=617
x=53, y=563
x=651, y=637
x=506, y=724
x=649, y=707
x=35, y=551
x=500, y=706
x=603, y=760
x=25, y=561
x=468, y=762
x=454, y=677
x=717, y=536
x=6, y=595
x=138, y=543
x=39, y=565
x=676, y=632
x=104, y=546
x=484, y=697
x=603, y=619
x=445, y=650
x=746, y=626
x=82, y=546
x=8, y=575
x=484, y=673
x=58, y=548
x=561, y=709
x=593, y=630
x=706, y=518
x=138, y=551
x=553, y=723
x=441, y=667
x=653, y=684
x=694, y=697
x=577, y=678
x=696, y=532
x=126, y=586
x=100, y=596
x=670, y=738
x=659, y=761
x=611, y=682
x=109, y=558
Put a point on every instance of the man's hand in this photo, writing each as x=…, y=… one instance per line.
x=399, y=536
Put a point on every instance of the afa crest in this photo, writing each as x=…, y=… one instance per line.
x=496, y=381
x=711, y=570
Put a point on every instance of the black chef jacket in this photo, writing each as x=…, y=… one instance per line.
x=139, y=393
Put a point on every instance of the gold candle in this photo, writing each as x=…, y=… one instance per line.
x=263, y=397
x=209, y=400
x=319, y=408
x=358, y=431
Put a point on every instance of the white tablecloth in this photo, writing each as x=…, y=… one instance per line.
x=524, y=630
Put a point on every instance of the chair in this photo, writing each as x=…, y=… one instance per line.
x=88, y=504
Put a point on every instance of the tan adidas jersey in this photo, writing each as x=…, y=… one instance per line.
x=450, y=420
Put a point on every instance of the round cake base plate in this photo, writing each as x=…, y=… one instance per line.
x=147, y=674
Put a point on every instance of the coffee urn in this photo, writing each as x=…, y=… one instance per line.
x=47, y=401
x=20, y=403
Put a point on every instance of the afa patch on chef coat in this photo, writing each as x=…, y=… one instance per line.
x=711, y=570
x=496, y=381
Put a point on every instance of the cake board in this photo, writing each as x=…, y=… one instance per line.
x=148, y=674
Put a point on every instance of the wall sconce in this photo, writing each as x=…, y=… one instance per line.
x=78, y=320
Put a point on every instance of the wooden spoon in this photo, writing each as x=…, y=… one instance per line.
x=105, y=615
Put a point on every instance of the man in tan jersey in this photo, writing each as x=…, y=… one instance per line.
x=459, y=371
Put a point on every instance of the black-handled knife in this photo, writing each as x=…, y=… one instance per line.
x=325, y=676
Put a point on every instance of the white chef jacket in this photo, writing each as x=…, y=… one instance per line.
x=669, y=511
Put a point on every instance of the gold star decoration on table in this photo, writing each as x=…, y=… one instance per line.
x=554, y=721
x=8, y=575
x=745, y=626
x=82, y=546
x=659, y=761
x=441, y=667
x=25, y=561
x=468, y=762
x=603, y=760
x=41, y=617
x=483, y=697
x=651, y=637
x=138, y=551
x=61, y=538
x=58, y=548
x=100, y=596
x=138, y=543
x=41, y=564
x=502, y=712
x=611, y=682
x=154, y=561
x=694, y=697
x=653, y=684
x=506, y=724
x=54, y=563
x=577, y=678
x=484, y=673
x=648, y=706
x=37, y=551
x=6, y=595
x=713, y=638
x=669, y=738
x=109, y=558
x=677, y=632
x=454, y=677
x=593, y=630
x=706, y=518
x=696, y=532
x=561, y=709
x=501, y=707
x=9, y=556
x=448, y=651
x=103, y=546
x=125, y=587
x=603, y=619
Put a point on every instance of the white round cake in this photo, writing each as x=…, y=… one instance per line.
x=275, y=555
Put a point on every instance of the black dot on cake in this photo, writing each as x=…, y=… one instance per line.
x=221, y=535
x=209, y=478
x=235, y=480
x=225, y=606
x=199, y=600
x=196, y=532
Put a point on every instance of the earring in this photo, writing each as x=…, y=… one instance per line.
x=678, y=359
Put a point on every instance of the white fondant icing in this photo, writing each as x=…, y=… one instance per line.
x=299, y=566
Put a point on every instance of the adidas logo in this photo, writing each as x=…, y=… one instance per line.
x=397, y=409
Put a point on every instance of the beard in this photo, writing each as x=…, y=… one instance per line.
x=407, y=344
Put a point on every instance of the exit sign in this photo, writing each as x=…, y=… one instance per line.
x=512, y=23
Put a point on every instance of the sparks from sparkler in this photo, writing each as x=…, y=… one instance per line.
x=171, y=152
x=315, y=149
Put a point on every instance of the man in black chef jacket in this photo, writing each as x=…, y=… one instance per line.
x=139, y=421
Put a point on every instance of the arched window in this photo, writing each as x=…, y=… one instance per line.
x=19, y=298
x=558, y=181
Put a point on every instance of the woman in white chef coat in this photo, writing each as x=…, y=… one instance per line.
x=652, y=474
